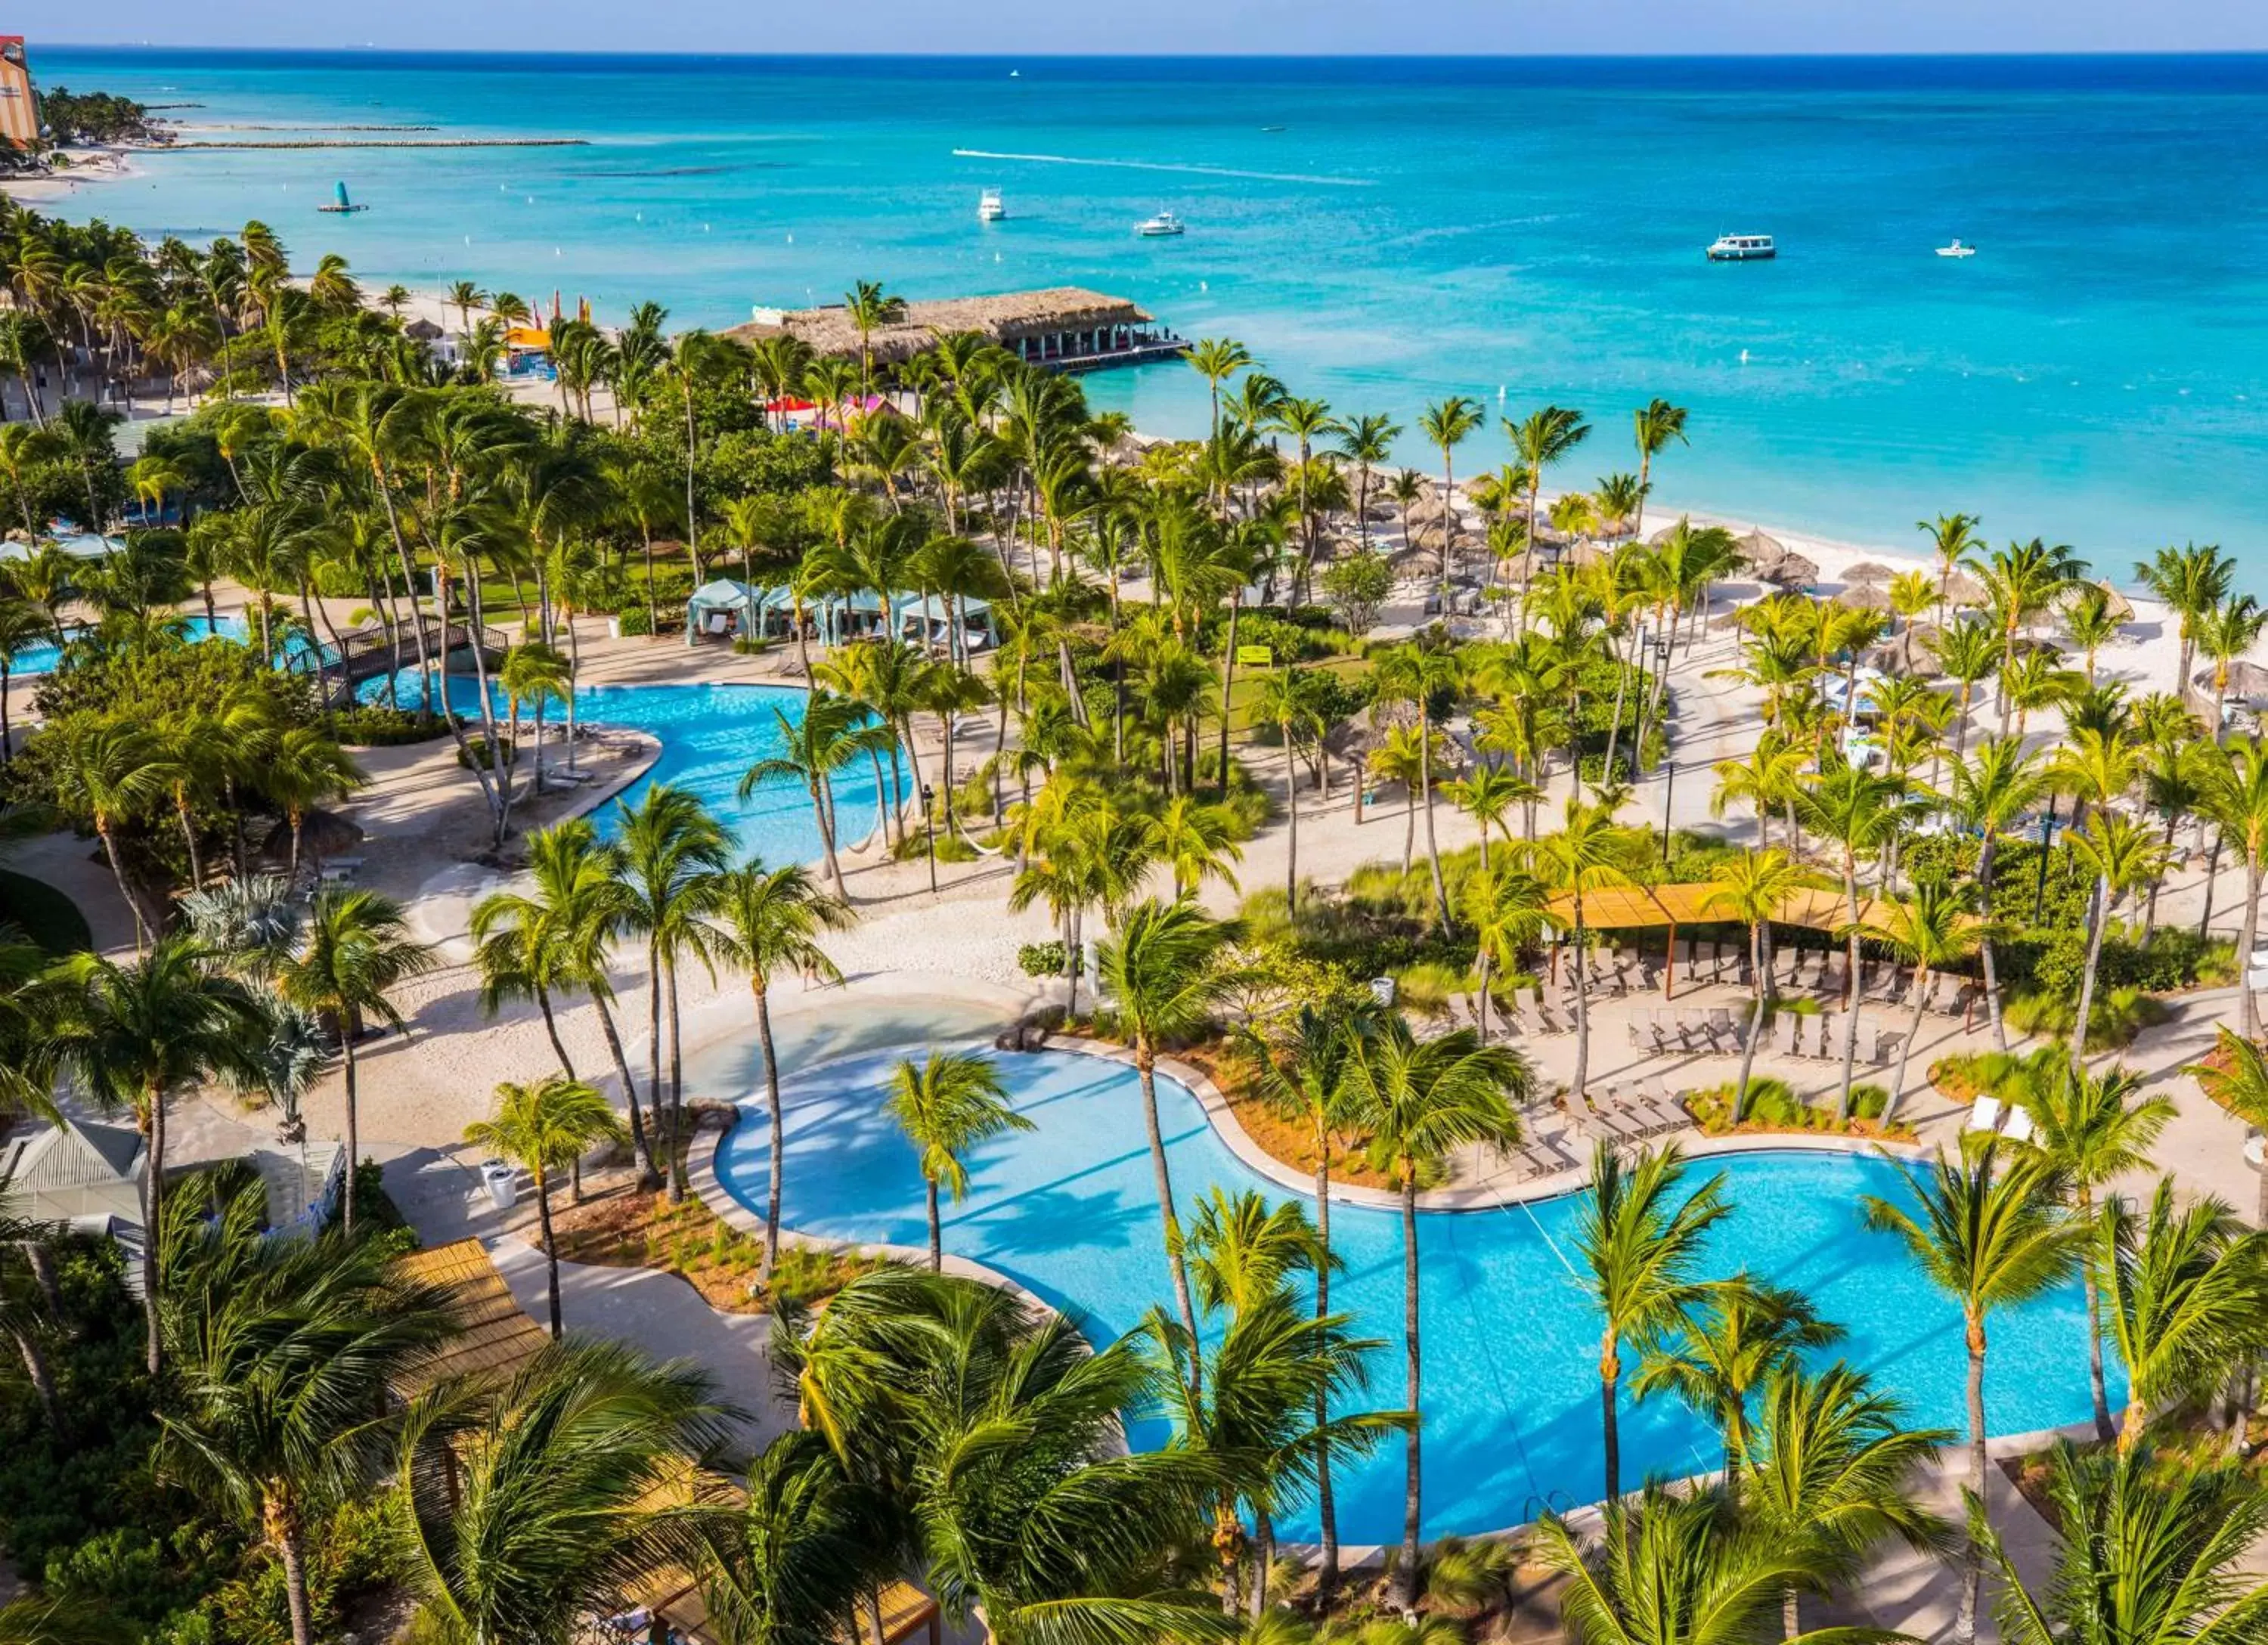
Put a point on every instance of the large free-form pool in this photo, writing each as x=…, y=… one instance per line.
x=1511, y=1344
x=710, y=735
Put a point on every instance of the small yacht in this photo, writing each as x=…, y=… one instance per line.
x=1159, y=226
x=1742, y=248
x=990, y=208
x=1956, y=249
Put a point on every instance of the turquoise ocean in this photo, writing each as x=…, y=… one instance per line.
x=1382, y=232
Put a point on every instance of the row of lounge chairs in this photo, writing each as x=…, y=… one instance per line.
x=1819, y=1038
x=1990, y=1114
x=1545, y=1156
x=1824, y=971
x=1647, y=1110
x=1691, y=1029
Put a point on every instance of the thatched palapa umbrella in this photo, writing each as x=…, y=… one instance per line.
x=321, y=834
x=2248, y=682
x=1760, y=550
x=1791, y=570
x=2119, y=607
x=1865, y=597
x=1964, y=590
x=1867, y=571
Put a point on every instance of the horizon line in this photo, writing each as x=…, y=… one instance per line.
x=1952, y=56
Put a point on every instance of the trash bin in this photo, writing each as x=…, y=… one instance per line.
x=502, y=1182
x=1382, y=989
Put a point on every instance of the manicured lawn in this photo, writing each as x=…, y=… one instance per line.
x=47, y=916
x=1245, y=688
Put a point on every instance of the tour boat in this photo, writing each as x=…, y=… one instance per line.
x=1161, y=226
x=988, y=207
x=1742, y=248
x=1956, y=249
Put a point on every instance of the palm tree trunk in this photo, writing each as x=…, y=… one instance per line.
x=347, y=1045
x=1984, y=943
x=1327, y=1575
x=1972, y=1563
x=1292, y=814
x=776, y=1120
x=550, y=1243
x=1228, y=677
x=1905, y=1051
x=2098, y=916
x=1582, y=1005
x=1756, y=1029
x=1412, y=1482
x=676, y=1087
x=936, y=1230
x=153, y=1211
x=2248, y=1007
x=1433, y=845
x=641, y=1147
x=1850, y=1017
x=1611, y=1376
x=1145, y=1065
x=294, y=1560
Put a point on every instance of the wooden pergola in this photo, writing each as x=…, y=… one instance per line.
x=1697, y=903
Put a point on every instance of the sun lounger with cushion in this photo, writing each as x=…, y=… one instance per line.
x=1984, y=1116
x=1784, y=1033
x=2018, y=1128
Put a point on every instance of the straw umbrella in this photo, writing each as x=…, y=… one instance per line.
x=1867, y=571
x=1865, y=597
x=1791, y=570
x=1760, y=549
x=1964, y=590
x=2248, y=682
x=2118, y=606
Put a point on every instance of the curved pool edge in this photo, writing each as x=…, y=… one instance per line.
x=1221, y=1116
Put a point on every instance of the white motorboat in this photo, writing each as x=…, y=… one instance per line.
x=1956, y=249
x=990, y=207
x=1742, y=248
x=1159, y=226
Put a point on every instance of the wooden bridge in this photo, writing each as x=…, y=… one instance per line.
x=367, y=653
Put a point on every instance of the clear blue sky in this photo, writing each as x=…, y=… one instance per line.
x=1007, y=28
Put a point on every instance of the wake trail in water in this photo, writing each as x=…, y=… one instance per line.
x=1162, y=166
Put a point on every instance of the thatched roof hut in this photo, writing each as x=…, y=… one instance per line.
x=2120, y=607
x=2248, y=682
x=1761, y=550
x=1865, y=597
x=1964, y=590
x=1014, y=320
x=1867, y=571
x=1791, y=571
x=422, y=330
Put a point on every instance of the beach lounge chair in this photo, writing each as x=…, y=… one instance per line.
x=1726, y=1031
x=1528, y=1004
x=1886, y=1047
x=1830, y=1024
x=2019, y=1127
x=1606, y=1122
x=1782, y=966
x=1984, y=1116
x=1658, y=1118
x=1944, y=990
x=1784, y=1027
x=1556, y=1149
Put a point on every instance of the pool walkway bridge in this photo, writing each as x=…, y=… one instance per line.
x=376, y=649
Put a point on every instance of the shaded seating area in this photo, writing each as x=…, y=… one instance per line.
x=726, y=609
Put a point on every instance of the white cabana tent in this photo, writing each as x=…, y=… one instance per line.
x=721, y=608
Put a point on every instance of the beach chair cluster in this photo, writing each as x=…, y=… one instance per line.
x=1545, y=1156
x=1819, y=1038
x=1827, y=972
x=1691, y=1031
x=1702, y=963
x=1534, y=1017
x=1647, y=1110
x=1623, y=971
x=1993, y=1117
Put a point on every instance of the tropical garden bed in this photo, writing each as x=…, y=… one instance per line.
x=1775, y=1108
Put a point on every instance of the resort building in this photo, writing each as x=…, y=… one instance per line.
x=1064, y=329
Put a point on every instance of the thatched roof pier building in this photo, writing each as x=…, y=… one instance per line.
x=1064, y=329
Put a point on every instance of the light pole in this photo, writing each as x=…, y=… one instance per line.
x=1662, y=672
x=1668, y=793
x=929, y=835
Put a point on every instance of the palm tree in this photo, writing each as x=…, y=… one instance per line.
x=1590, y=853
x=355, y=947
x=1417, y=673
x=1861, y=812
x=2125, y=856
x=1657, y=423
x=1545, y=437
x=767, y=921
x=1448, y=425
x=1679, y=1570
x=2091, y=1130
x=1488, y=797
x=2235, y=1075
x=104, y=772
x=2149, y=1549
x=1217, y=359
x=1832, y=1464
x=541, y=1127
x=2187, y=1292
x=1638, y=1243
x=1367, y=442
x=947, y=1104
x=669, y=855
x=1953, y=538
x=1929, y=929
x=1160, y=974
x=1285, y=703
x=2192, y=581
x=792, y=1567
x=834, y=732
x=279, y=1408
x=2225, y=634
x=1751, y=888
x=28, y=1314
x=526, y=1505
x=1419, y=1102
x=135, y=1037
x=1506, y=907
x=1989, y=1238
x=1715, y=1353
x=2236, y=799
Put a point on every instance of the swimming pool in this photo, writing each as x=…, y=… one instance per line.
x=42, y=657
x=710, y=735
x=1510, y=1344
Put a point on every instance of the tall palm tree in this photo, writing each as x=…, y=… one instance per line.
x=2092, y=1129
x=1590, y=853
x=2192, y=581
x=1861, y=812
x=1418, y=674
x=1638, y=1235
x=1420, y=1101
x=2235, y=1075
x=1989, y=1238
x=1833, y=1463
x=1953, y=538
x=1751, y=888
x=1990, y=795
x=1367, y=442
x=1217, y=359
x=279, y=1409
x=1506, y=908
x=542, y=1127
x=1543, y=438
x=1448, y=425
x=669, y=855
x=767, y=921
x=1657, y=423
x=523, y=1506
x=832, y=733
x=135, y=1037
x=355, y=947
x=104, y=772
x=1721, y=1348
x=1285, y=703
x=2236, y=799
x=2125, y=856
x=1929, y=928
x=792, y=1568
x=1159, y=975
x=947, y=1104
x=2187, y=1289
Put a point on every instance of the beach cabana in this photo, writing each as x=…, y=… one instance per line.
x=2248, y=682
x=721, y=608
x=928, y=619
x=2119, y=608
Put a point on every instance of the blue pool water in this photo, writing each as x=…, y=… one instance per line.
x=710, y=735
x=1385, y=231
x=1511, y=1346
x=42, y=657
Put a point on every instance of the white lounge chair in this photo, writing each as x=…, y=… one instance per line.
x=2018, y=1128
x=1985, y=1116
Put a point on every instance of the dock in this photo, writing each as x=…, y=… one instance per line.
x=1062, y=328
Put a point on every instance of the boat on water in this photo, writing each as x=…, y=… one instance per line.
x=1159, y=226
x=1956, y=249
x=1271, y=128
x=1742, y=248
x=990, y=207
x=341, y=206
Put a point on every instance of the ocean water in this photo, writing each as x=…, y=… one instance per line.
x=2097, y=374
x=1511, y=1344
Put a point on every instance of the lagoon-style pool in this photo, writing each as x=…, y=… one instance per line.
x=709, y=736
x=1511, y=1343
